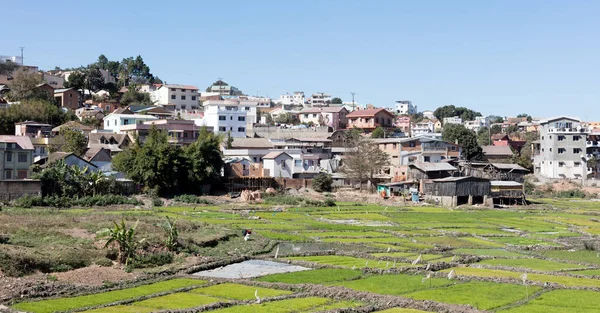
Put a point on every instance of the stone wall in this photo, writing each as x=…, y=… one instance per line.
x=13, y=189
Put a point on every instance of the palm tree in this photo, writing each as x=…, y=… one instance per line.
x=125, y=238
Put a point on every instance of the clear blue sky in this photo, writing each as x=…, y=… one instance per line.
x=497, y=57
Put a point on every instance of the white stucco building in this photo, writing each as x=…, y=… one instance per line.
x=320, y=99
x=428, y=114
x=13, y=59
x=229, y=116
x=405, y=107
x=477, y=124
x=278, y=164
x=294, y=99
x=175, y=97
x=122, y=117
x=452, y=120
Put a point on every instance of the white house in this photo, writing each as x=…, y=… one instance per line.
x=122, y=117
x=175, y=97
x=423, y=127
x=320, y=99
x=477, y=124
x=405, y=107
x=278, y=164
x=295, y=99
x=452, y=120
x=261, y=102
x=229, y=116
x=428, y=114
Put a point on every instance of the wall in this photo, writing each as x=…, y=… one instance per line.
x=13, y=189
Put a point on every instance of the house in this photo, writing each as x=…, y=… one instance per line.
x=493, y=171
x=153, y=110
x=498, y=154
x=561, y=152
x=175, y=97
x=395, y=188
x=428, y=114
x=437, y=125
x=320, y=99
x=90, y=113
x=113, y=142
x=477, y=124
x=84, y=129
x=507, y=192
x=426, y=149
x=232, y=117
x=369, y=119
x=454, y=191
x=310, y=155
x=452, y=120
x=423, y=127
x=108, y=107
x=100, y=157
x=16, y=156
x=295, y=99
x=221, y=90
x=500, y=139
x=69, y=158
x=53, y=80
x=46, y=89
x=405, y=107
x=242, y=167
x=424, y=171
x=180, y=132
x=40, y=135
x=122, y=117
x=391, y=146
x=334, y=117
x=404, y=124
x=253, y=149
x=67, y=98
x=278, y=164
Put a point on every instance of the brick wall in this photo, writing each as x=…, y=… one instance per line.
x=13, y=189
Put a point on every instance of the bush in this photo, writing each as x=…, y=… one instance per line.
x=157, y=202
x=152, y=260
x=529, y=187
x=104, y=262
x=191, y=199
x=282, y=200
x=105, y=200
x=322, y=182
x=329, y=202
x=26, y=261
x=573, y=193
x=66, y=202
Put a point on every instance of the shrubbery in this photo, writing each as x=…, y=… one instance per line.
x=151, y=260
x=296, y=201
x=191, y=199
x=65, y=202
x=573, y=193
x=322, y=182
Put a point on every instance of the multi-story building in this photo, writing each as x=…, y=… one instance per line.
x=452, y=120
x=334, y=117
x=477, y=124
x=425, y=149
x=308, y=156
x=261, y=102
x=221, y=90
x=295, y=99
x=16, y=156
x=320, y=99
x=561, y=152
x=39, y=134
x=232, y=117
x=179, y=132
x=369, y=119
x=175, y=97
x=423, y=127
x=14, y=59
x=124, y=117
x=404, y=124
x=252, y=149
x=405, y=107
x=67, y=98
x=593, y=150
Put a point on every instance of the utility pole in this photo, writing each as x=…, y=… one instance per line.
x=353, y=93
x=22, y=63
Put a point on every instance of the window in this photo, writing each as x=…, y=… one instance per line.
x=173, y=89
x=412, y=144
x=22, y=174
x=298, y=163
x=426, y=159
x=282, y=164
x=576, y=138
x=173, y=97
x=561, y=150
x=577, y=164
x=306, y=115
x=70, y=95
x=182, y=90
x=125, y=122
x=561, y=164
x=453, y=148
x=185, y=135
x=22, y=157
x=242, y=129
x=182, y=97
x=241, y=118
x=576, y=150
x=184, y=107
x=8, y=174
x=395, y=146
x=222, y=128
x=561, y=138
x=394, y=157
x=222, y=118
x=542, y=137
x=231, y=118
x=314, y=115
x=8, y=156
x=550, y=137
x=193, y=98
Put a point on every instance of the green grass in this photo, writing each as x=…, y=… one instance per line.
x=310, y=304
x=280, y=236
x=175, y=301
x=481, y=295
x=64, y=304
x=523, y=241
x=346, y=234
x=488, y=252
x=401, y=310
x=394, y=284
x=534, y=264
x=594, y=272
x=318, y=276
x=541, y=278
x=585, y=256
x=347, y=261
x=239, y=292
x=558, y=301
x=122, y=309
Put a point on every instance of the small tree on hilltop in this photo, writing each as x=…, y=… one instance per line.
x=322, y=182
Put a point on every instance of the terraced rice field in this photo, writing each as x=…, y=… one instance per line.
x=357, y=250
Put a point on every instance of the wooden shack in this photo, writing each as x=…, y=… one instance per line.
x=453, y=191
x=507, y=193
x=395, y=188
x=493, y=171
x=427, y=170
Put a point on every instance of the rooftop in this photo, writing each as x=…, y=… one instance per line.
x=368, y=113
x=497, y=150
x=323, y=110
x=255, y=143
x=455, y=179
x=180, y=86
x=274, y=155
x=433, y=167
x=505, y=183
x=24, y=142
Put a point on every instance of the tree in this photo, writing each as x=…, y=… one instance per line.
x=7, y=68
x=483, y=136
x=133, y=96
x=94, y=80
x=322, y=182
x=336, y=101
x=512, y=129
x=229, y=140
x=450, y=111
x=496, y=129
x=592, y=163
x=205, y=158
x=23, y=86
x=285, y=118
x=69, y=140
x=134, y=71
x=466, y=138
x=363, y=160
x=378, y=133
x=76, y=80
x=38, y=110
x=125, y=239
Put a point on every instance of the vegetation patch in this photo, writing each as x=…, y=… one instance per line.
x=175, y=301
x=534, y=264
x=558, y=301
x=239, y=292
x=317, y=276
x=310, y=304
x=481, y=295
x=540, y=278
x=64, y=304
x=394, y=284
x=347, y=261
x=488, y=252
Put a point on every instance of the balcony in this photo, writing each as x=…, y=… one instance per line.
x=590, y=144
x=572, y=130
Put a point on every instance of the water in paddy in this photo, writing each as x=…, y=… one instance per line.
x=251, y=268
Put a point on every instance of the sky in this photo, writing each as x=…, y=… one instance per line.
x=496, y=57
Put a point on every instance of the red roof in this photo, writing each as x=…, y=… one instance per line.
x=368, y=113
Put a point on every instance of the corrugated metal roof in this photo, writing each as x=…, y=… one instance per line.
x=433, y=167
x=453, y=179
x=23, y=141
x=251, y=143
x=509, y=166
x=505, y=183
x=497, y=150
x=274, y=154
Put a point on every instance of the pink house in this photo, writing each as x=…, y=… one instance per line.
x=370, y=119
x=181, y=132
x=334, y=117
x=403, y=122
